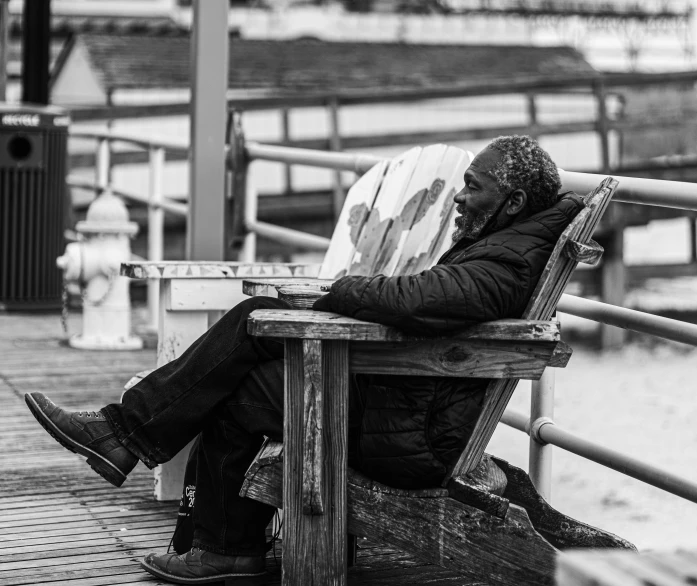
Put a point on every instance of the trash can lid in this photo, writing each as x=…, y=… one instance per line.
x=32, y=116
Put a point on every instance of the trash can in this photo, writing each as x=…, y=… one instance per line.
x=33, y=205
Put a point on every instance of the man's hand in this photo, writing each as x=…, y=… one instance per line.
x=322, y=304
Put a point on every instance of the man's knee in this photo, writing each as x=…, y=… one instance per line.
x=260, y=302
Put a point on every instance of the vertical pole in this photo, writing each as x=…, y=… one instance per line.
x=288, y=169
x=110, y=128
x=613, y=284
x=693, y=239
x=236, y=228
x=4, y=47
x=532, y=116
x=540, y=454
x=612, y=269
x=156, y=226
x=209, y=77
x=36, y=39
x=249, y=249
x=103, y=165
x=602, y=125
x=335, y=145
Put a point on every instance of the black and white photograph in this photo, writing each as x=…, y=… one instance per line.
x=348, y=292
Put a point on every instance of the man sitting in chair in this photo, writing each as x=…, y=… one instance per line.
x=227, y=388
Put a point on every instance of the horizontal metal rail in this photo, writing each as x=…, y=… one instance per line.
x=144, y=143
x=555, y=435
x=288, y=235
x=310, y=158
x=179, y=209
x=667, y=194
x=629, y=319
x=671, y=194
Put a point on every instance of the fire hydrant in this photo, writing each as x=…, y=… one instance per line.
x=94, y=263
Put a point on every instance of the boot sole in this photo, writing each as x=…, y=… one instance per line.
x=97, y=462
x=231, y=578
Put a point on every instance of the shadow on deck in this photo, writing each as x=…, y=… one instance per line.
x=60, y=523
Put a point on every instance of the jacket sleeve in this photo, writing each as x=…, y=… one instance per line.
x=442, y=299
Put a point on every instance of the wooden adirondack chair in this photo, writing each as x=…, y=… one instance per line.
x=487, y=522
x=405, y=205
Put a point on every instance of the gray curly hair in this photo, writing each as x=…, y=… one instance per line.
x=527, y=166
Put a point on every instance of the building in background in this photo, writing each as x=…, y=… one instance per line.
x=612, y=34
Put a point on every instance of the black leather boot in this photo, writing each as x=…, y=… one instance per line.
x=202, y=567
x=86, y=433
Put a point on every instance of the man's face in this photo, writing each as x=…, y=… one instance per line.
x=479, y=199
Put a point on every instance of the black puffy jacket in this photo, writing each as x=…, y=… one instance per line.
x=408, y=429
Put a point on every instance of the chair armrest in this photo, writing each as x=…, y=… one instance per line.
x=215, y=270
x=501, y=349
x=279, y=323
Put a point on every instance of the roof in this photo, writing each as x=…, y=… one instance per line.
x=142, y=61
x=63, y=25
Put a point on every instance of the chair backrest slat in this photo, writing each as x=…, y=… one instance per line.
x=387, y=223
x=433, y=221
x=354, y=214
x=412, y=200
x=542, y=305
x=388, y=204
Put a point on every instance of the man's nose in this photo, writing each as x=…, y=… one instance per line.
x=461, y=195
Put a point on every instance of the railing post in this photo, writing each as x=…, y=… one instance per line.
x=541, y=413
x=603, y=126
x=285, y=139
x=532, y=115
x=612, y=269
x=249, y=247
x=335, y=145
x=156, y=227
x=103, y=165
x=235, y=228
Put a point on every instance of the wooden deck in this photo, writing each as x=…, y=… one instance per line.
x=60, y=523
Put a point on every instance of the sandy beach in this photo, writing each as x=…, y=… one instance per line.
x=639, y=400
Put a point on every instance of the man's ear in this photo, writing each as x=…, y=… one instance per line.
x=517, y=202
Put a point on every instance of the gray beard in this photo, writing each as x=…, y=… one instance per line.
x=468, y=226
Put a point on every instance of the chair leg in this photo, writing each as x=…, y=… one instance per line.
x=351, y=550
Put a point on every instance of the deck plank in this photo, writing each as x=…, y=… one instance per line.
x=61, y=524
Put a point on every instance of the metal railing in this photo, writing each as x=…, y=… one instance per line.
x=543, y=432
x=155, y=200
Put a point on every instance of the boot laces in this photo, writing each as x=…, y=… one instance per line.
x=94, y=414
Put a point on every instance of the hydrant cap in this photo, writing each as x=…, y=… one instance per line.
x=107, y=208
x=107, y=213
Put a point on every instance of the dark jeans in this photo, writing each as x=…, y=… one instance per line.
x=227, y=387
